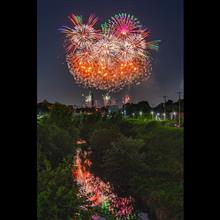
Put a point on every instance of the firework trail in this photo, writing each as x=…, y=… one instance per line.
x=97, y=192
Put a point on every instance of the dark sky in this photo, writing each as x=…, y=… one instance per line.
x=164, y=19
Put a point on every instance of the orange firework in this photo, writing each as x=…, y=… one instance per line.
x=111, y=58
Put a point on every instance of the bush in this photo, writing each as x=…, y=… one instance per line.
x=100, y=142
x=142, y=159
x=54, y=143
x=122, y=163
x=57, y=195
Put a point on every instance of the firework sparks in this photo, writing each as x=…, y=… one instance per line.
x=110, y=58
x=82, y=36
x=126, y=99
x=97, y=192
x=106, y=100
x=122, y=25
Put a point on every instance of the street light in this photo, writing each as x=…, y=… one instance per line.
x=133, y=114
x=174, y=113
x=152, y=113
x=164, y=115
x=157, y=116
x=140, y=113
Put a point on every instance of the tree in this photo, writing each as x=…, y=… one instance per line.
x=61, y=116
x=122, y=163
x=54, y=142
x=129, y=108
x=42, y=107
x=142, y=160
x=89, y=124
x=100, y=142
x=57, y=193
x=127, y=128
x=143, y=106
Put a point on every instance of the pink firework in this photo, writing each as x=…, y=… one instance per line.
x=122, y=25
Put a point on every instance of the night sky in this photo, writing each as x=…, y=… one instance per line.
x=164, y=19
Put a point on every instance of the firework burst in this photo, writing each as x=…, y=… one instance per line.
x=82, y=36
x=122, y=25
x=110, y=58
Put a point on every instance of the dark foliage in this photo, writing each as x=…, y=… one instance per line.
x=139, y=157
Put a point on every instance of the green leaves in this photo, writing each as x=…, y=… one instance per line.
x=142, y=159
x=148, y=166
x=57, y=194
x=122, y=162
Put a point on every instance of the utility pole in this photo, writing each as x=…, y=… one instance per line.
x=179, y=106
x=92, y=99
x=172, y=112
x=165, y=100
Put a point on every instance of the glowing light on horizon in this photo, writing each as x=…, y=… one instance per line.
x=107, y=100
x=126, y=99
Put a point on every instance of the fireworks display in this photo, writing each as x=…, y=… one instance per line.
x=110, y=58
x=106, y=100
x=88, y=99
x=97, y=192
x=126, y=99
